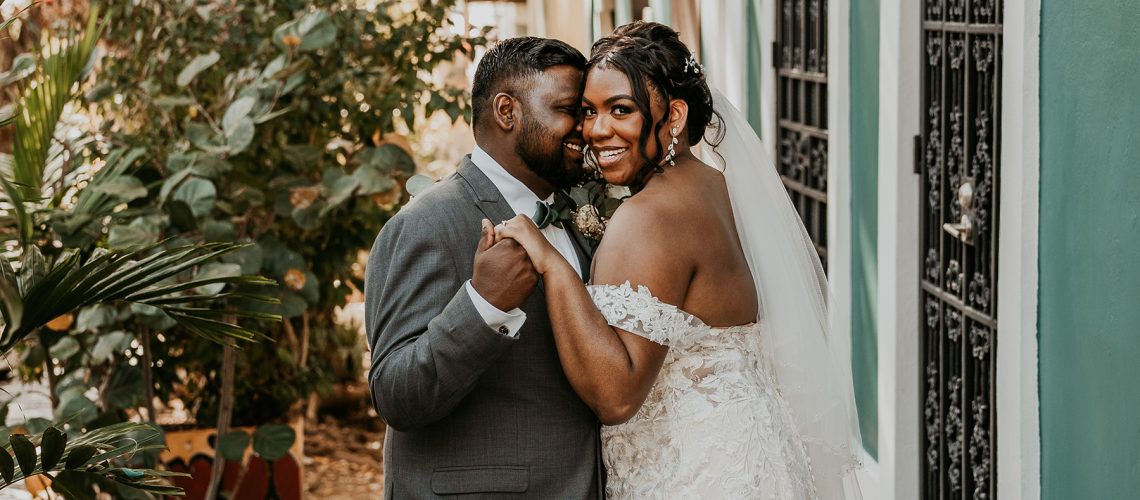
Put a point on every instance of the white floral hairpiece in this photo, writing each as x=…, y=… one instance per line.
x=691, y=63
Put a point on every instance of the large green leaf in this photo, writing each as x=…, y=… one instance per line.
x=7, y=466
x=272, y=442
x=206, y=138
x=387, y=158
x=232, y=445
x=240, y=136
x=313, y=31
x=216, y=270
x=109, y=344
x=123, y=188
x=22, y=67
x=199, y=194
x=52, y=447
x=65, y=347
x=196, y=65
x=138, y=233
x=25, y=453
x=239, y=109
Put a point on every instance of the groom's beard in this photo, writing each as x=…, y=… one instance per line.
x=545, y=155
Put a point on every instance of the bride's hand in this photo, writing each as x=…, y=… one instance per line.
x=522, y=229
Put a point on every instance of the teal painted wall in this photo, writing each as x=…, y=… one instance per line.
x=864, y=214
x=755, y=64
x=1089, y=297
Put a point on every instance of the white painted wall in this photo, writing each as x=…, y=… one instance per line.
x=899, y=78
x=1018, y=397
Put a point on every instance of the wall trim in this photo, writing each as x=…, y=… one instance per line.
x=767, y=11
x=1018, y=396
x=898, y=302
x=838, y=157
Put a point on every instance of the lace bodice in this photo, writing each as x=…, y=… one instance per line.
x=714, y=424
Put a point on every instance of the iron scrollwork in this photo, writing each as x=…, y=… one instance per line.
x=961, y=114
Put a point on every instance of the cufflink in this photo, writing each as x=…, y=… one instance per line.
x=504, y=330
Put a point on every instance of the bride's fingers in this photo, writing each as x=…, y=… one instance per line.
x=520, y=228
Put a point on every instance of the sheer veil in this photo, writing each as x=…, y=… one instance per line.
x=812, y=365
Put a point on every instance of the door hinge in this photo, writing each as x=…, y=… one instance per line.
x=776, y=55
x=918, y=154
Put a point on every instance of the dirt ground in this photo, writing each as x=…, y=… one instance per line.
x=343, y=450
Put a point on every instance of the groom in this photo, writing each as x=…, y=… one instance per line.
x=464, y=368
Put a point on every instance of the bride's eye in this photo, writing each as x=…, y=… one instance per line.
x=588, y=112
x=621, y=110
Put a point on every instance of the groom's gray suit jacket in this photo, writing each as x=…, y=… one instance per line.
x=469, y=410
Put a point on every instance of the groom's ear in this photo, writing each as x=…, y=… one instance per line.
x=503, y=111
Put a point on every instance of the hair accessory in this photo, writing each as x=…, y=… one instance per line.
x=692, y=64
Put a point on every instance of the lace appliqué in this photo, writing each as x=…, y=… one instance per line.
x=639, y=312
x=714, y=425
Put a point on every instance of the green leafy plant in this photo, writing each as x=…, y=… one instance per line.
x=278, y=125
x=42, y=279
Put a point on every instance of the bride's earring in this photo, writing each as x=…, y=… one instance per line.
x=672, y=152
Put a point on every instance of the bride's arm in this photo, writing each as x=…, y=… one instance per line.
x=612, y=370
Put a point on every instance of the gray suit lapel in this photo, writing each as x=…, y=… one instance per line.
x=491, y=202
x=582, y=249
x=487, y=197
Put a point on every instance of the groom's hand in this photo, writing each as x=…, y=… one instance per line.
x=503, y=274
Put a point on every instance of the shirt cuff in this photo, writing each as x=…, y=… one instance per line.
x=507, y=323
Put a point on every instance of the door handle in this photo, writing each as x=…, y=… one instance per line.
x=964, y=228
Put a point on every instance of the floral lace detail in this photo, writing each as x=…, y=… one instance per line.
x=714, y=424
x=639, y=312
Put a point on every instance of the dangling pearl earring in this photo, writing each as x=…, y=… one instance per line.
x=672, y=152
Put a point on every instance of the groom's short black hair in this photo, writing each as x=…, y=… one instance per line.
x=508, y=65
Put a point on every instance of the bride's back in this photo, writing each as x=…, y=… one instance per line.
x=688, y=209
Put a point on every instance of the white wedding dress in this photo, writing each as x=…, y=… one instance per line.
x=758, y=411
x=714, y=424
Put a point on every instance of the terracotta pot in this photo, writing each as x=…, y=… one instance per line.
x=192, y=451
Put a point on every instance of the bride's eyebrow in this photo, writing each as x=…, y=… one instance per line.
x=611, y=100
x=619, y=97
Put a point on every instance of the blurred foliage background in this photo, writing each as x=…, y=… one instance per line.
x=282, y=126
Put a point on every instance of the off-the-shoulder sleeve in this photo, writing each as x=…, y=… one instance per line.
x=639, y=312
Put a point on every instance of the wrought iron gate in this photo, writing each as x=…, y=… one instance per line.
x=800, y=57
x=961, y=97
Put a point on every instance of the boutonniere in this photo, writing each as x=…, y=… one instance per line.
x=594, y=204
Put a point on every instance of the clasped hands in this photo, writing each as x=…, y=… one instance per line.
x=508, y=261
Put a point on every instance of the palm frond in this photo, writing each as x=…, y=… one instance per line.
x=8, y=22
x=100, y=452
x=43, y=100
x=141, y=276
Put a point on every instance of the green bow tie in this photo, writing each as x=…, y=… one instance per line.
x=555, y=213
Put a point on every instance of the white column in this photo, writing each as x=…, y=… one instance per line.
x=662, y=11
x=1018, y=403
x=898, y=298
x=723, y=48
x=768, y=79
x=838, y=154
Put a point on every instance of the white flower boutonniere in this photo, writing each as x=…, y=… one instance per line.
x=595, y=202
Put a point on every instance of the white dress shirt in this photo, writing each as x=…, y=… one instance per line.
x=522, y=200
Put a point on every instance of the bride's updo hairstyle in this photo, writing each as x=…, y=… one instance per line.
x=655, y=59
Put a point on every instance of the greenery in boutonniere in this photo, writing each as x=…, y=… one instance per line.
x=595, y=202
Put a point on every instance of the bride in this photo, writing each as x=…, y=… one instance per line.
x=702, y=342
